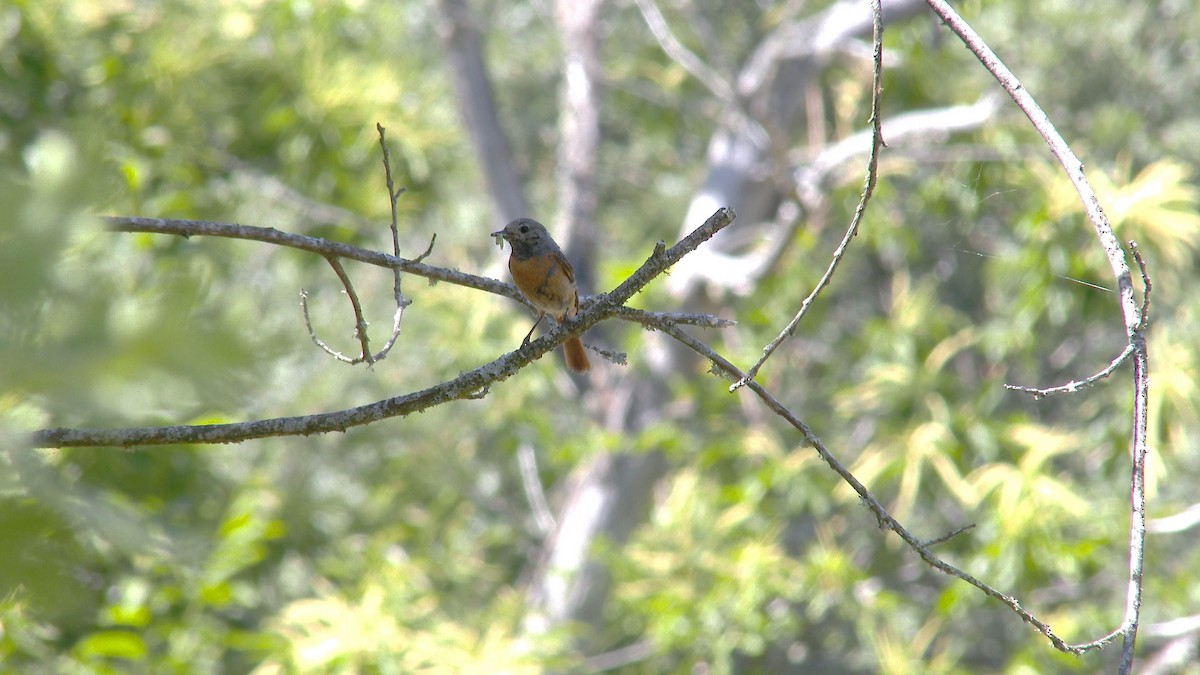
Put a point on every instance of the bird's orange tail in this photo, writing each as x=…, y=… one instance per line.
x=577, y=359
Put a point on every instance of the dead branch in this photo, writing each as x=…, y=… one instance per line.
x=467, y=385
x=1131, y=314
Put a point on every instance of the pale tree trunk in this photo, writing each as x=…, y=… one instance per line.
x=477, y=107
x=750, y=175
x=579, y=124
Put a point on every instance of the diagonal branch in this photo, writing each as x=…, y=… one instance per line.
x=467, y=385
x=1058, y=146
x=722, y=366
x=1076, y=385
x=360, y=323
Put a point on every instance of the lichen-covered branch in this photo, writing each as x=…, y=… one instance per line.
x=467, y=385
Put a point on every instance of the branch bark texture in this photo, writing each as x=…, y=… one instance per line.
x=468, y=385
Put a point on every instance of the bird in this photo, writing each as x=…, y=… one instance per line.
x=546, y=279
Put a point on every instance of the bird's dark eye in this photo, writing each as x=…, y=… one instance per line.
x=524, y=229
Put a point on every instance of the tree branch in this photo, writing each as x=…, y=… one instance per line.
x=322, y=247
x=467, y=385
x=723, y=367
x=1131, y=314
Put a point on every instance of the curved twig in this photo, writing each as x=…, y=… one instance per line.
x=312, y=333
x=868, y=189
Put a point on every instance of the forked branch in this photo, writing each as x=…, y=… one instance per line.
x=467, y=385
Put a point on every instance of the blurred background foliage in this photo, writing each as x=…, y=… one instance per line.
x=403, y=546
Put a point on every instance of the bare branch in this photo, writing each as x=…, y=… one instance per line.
x=653, y=319
x=467, y=385
x=360, y=324
x=868, y=189
x=325, y=248
x=949, y=535
x=619, y=358
x=1074, y=386
x=1147, y=287
x=1058, y=146
x=723, y=367
x=401, y=301
x=322, y=247
x=397, y=317
x=427, y=251
x=1131, y=314
x=393, y=192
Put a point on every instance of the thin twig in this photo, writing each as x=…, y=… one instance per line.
x=394, y=196
x=1074, y=386
x=323, y=247
x=1147, y=287
x=427, y=251
x=612, y=356
x=360, y=324
x=313, y=333
x=948, y=536
x=652, y=319
x=868, y=189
